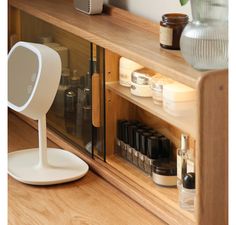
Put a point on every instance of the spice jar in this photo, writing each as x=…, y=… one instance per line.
x=171, y=27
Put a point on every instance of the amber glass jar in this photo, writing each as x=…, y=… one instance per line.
x=171, y=27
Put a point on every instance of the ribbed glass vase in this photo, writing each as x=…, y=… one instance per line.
x=204, y=41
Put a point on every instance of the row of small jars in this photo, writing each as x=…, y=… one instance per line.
x=177, y=99
x=151, y=152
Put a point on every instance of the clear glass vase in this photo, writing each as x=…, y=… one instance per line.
x=204, y=41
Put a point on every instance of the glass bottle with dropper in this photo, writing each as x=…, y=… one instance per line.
x=182, y=159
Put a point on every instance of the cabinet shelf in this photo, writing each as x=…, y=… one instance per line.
x=167, y=198
x=137, y=39
x=186, y=124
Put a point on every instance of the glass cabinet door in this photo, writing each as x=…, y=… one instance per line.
x=71, y=114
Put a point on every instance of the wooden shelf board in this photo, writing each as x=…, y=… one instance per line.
x=185, y=124
x=115, y=32
x=167, y=197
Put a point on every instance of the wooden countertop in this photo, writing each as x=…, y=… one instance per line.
x=89, y=201
x=118, y=31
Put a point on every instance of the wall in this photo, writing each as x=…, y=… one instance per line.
x=151, y=9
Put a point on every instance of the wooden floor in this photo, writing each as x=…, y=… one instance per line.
x=89, y=201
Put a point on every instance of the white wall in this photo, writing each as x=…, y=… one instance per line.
x=151, y=9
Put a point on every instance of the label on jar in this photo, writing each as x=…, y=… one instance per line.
x=166, y=35
x=190, y=166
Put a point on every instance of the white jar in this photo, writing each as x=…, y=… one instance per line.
x=126, y=68
x=157, y=83
x=140, y=83
x=179, y=100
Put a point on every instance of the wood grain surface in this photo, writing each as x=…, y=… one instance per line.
x=122, y=36
x=212, y=150
x=90, y=201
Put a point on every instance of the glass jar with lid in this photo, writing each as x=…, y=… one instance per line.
x=171, y=28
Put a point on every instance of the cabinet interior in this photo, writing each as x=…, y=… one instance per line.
x=124, y=108
x=80, y=52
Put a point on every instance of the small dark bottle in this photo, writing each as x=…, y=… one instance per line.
x=143, y=149
x=59, y=101
x=70, y=112
x=131, y=132
x=119, y=140
x=136, y=149
x=125, y=138
x=171, y=28
x=153, y=153
x=166, y=147
x=79, y=113
x=87, y=116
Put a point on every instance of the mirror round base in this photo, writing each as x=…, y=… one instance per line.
x=62, y=167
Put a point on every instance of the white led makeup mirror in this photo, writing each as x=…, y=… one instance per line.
x=34, y=72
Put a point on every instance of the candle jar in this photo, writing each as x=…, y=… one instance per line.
x=171, y=28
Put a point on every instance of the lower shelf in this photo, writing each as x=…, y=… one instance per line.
x=167, y=198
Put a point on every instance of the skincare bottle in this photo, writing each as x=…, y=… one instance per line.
x=74, y=83
x=166, y=147
x=187, y=192
x=125, y=144
x=70, y=112
x=131, y=132
x=136, y=150
x=143, y=149
x=79, y=112
x=182, y=159
x=59, y=101
x=119, y=140
x=87, y=116
x=153, y=152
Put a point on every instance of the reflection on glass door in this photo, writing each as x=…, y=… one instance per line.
x=71, y=112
